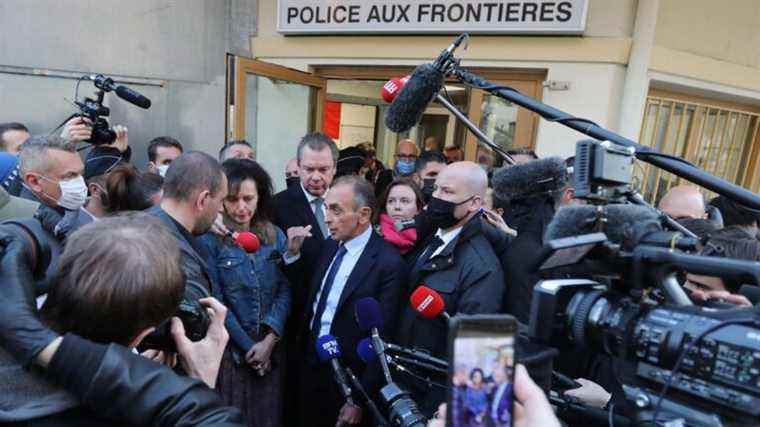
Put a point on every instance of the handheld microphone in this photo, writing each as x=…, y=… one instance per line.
x=391, y=89
x=132, y=96
x=328, y=350
x=246, y=240
x=365, y=350
x=428, y=303
x=369, y=316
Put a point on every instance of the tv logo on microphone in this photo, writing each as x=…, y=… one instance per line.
x=423, y=305
x=331, y=347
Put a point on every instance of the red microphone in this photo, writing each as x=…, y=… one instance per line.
x=428, y=303
x=393, y=87
x=246, y=240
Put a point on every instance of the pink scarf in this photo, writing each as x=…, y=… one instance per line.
x=403, y=240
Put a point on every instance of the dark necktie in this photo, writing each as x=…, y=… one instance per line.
x=316, y=323
x=320, y=216
x=427, y=254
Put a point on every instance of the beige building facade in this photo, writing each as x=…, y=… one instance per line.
x=679, y=75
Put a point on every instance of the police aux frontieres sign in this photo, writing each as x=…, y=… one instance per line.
x=426, y=17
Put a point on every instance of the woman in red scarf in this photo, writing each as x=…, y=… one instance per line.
x=399, y=204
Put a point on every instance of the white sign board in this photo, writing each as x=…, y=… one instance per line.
x=431, y=17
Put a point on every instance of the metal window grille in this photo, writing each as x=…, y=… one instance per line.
x=720, y=140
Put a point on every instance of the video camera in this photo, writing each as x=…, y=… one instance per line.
x=94, y=110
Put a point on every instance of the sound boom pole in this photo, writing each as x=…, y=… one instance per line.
x=679, y=167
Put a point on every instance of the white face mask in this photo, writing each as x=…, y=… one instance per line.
x=73, y=193
x=162, y=170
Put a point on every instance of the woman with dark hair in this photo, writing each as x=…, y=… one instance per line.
x=399, y=204
x=256, y=293
x=128, y=189
x=476, y=399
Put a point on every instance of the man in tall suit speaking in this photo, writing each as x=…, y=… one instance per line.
x=356, y=263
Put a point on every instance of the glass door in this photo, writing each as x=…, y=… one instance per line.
x=272, y=107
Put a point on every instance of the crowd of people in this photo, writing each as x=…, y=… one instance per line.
x=131, y=247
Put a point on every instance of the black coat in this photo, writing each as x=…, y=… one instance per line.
x=292, y=209
x=379, y=273
x=198, y=282
x=468, y=275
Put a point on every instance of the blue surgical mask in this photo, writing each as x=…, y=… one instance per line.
x=405, y=167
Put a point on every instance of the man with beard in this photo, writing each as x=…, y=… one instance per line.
x=194, y=188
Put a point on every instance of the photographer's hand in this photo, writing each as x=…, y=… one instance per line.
x=21, y=332
x=121, y=142
x=77, y=129
x=202, y=359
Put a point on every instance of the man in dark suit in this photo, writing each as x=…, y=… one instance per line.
x=299, y=211
x=356, y=263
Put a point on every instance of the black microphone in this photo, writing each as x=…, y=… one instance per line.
x=542, y=176
x=621, y=223
x=407, y=109
x=123, y=92
x=328, y=349
x=403, y=224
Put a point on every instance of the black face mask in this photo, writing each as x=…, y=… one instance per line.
x=428, y=187
x=440, y=212
x=291, y=181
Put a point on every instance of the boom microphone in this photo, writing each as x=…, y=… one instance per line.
x=616, y=221
x=328, y=350
x=132, y=96
x=428, y=303
x=541, y=176
x=407, y=109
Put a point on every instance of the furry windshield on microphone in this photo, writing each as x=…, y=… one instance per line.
x=407, y=109
x=534, y=178
x=618, y=222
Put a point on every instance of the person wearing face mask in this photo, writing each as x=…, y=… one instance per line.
x=161, y=153
x=399, y=205
x=406, y=155
x=52, y=171
x=257, y=294
x=291, y=173
x=457, y=261
x=426, y=170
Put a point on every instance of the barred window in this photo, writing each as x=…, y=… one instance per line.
x=715, y=137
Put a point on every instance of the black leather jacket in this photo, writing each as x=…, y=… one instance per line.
x=115, y=384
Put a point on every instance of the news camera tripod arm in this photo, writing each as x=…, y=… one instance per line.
x=675, y=166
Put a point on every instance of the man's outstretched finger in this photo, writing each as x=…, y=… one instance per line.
x=178, y=333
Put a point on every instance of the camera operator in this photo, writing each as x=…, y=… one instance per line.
x=194, y=189
x=534, y=191
x=109, y=380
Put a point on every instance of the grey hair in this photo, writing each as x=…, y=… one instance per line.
x=364, y=194
x=317, y=141
x=33, y=155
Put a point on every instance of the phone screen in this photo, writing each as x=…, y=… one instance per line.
x=481, y=372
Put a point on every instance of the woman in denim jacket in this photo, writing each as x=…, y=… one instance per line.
x=256, y=293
